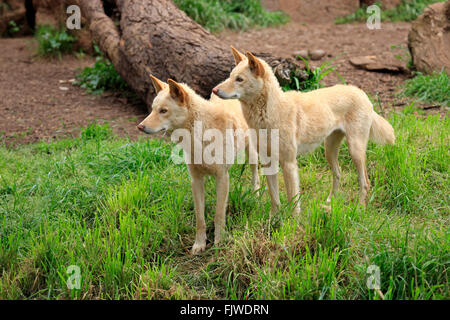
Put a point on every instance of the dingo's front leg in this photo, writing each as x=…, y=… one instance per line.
x=252, y=156
x=222, y=189
x=291, y=181
x=255, y=177
x=272, y=182
x=198, y=191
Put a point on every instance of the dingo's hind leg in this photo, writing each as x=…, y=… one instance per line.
x=357, y=146
x=332, y=144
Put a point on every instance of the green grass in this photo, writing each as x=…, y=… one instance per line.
x=123, y=213
x=407, y=10
x=429, y=88
x=216, y=15
x=53, y=42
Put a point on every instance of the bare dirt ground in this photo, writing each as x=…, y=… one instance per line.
x=33, y=107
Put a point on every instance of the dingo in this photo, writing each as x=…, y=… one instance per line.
x=177, y=106
x=305, y=120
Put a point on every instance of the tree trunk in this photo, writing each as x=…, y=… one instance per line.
x=155, y=37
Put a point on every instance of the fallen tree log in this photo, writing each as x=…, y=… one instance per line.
x=155, y=37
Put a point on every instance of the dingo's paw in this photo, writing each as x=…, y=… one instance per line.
x=256, y=187
x=217, y=241
x=198, y=247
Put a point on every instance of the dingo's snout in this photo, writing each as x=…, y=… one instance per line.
x=224, y=95
x=141, y=127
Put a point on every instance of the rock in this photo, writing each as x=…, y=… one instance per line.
x=372, y=63
x=311, y=54
x=429, y=39
x=383, y=67
x=317, y=54
x=302, y=53
x=362, y=61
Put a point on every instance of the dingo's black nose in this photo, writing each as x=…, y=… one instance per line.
x=141, y=127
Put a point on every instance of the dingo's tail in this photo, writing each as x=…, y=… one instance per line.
x=381, y=131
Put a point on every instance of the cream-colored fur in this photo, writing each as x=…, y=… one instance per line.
x=305, y=120
x=182, y=107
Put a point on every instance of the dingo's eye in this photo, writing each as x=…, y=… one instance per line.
x=239, y=79
x=163, y=111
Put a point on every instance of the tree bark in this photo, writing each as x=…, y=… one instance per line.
x=155, y=37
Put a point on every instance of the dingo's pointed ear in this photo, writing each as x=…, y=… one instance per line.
x=177, y=92
x=238, y=57
x=158, y=84
x=255, y=65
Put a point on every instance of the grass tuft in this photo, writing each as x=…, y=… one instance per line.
x=96, y=132
x=429, y=88
x=53, y=42
x=102, y=76
x=311, y=78
x=217, y=15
